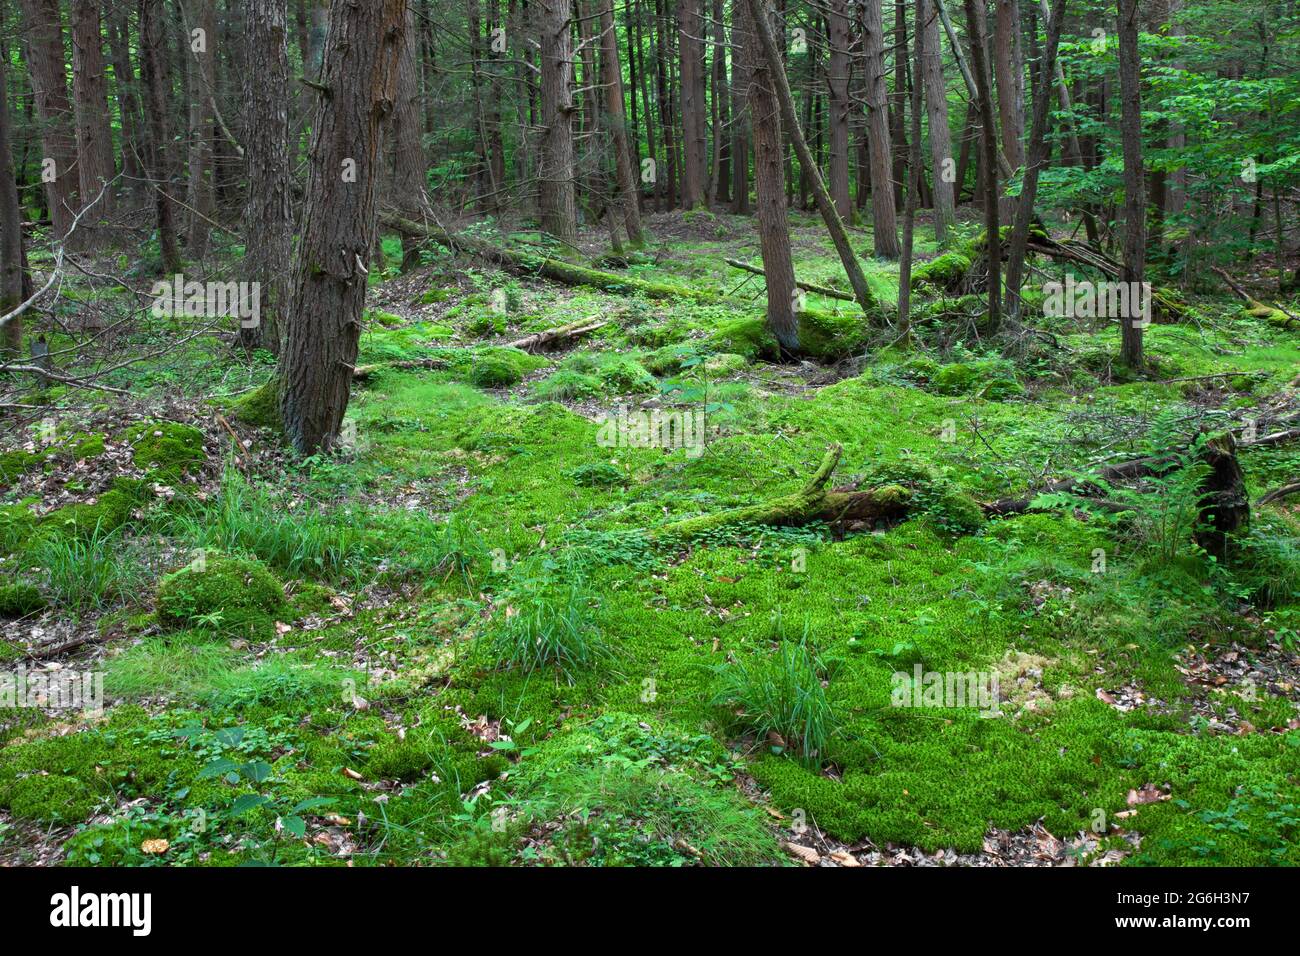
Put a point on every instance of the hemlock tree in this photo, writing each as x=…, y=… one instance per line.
x=323, y=324
x=1134, y=188
x=884, y=219
x=556, y=199
x=43, y=26
x=153, y=58
x=11, y=231
x=90, y=93
x=268, y=213
x=769, y=179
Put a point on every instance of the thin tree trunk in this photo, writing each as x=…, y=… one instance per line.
x=11, y=229
x=128, y=105
x=914, y=176
x=988, y=162
x=930, y=67
x=90, y=94
x=407, y=184
x=268, y=214
x=1035, y=163
x=323, y=326
x=1134, y=259
x=44, y=28
x=834, y=225
x=201, y=48
x=694, y=136
x=769, y=180
x=883, y=212
x=837, y=79
x=557, y=199
x=153, y=60
x=624, y=173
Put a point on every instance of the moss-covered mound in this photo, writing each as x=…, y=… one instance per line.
x=260, y=407
x=168, y=449
x=18, y=599
x=223, y=592
x=108, y=512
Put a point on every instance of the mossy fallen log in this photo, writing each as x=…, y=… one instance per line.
x=813, y=502
x=531, y=264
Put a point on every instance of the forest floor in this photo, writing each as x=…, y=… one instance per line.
x=336, y=660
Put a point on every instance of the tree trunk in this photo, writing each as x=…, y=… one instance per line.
x=915, y=173
x=128, y=105
x=834, y=225
x=557, y=201
x=268, y=214
x=409, y=195
x=323, y=325
x=624, y=172
x=936, y=104
x=201, y=47
x=1037, y=159
x=11, y=230
x=884, y=216
x=769, y=180
x=90, y=93
x=1009, y=73
x=988, y=162
x=153, y=59
x=837, y=80
x=694, y=136
x=44, y=28
x=1134, y=194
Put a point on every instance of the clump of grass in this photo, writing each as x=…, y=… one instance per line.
x=246, y=518
x=89, y=573
x=780, y=699
x=550, y=624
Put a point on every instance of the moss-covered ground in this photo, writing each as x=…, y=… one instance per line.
x=462, y=640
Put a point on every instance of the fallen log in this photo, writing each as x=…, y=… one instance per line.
x=806, y=286
x=1260, y=310
x=548, y=337
x=532, y=264
x=1277, y=494
x=811, y=503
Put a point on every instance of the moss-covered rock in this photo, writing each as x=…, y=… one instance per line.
x=223, y=592
x=567, y=385
x=168, y=449
x=18, y=599
x=495, y=371
x=747, y=336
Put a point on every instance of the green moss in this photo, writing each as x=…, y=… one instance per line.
x=229, y=594
x=386, y=319
x=747, y=336
x=626, y=376
x=566, y=386
x=50, y=798
x=168, y=449
x=20, y=599
x=15, y=464
x=829, y=336
x=944, y=272
x=109, y=512
x=261, y=406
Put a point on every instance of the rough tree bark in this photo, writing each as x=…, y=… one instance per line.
x=153, y=58
x=690, y=27
x=268, y=213
x=556, y=198
x=44, y=28
x=1134, y=188
x=11, y=230
x=128, y=105
x=90, y=93
x=769, y=179
x=837, y=80
x=1037, y=159
x=1009, y=70
x=884, y=215
x=201, y=50
x=323, y=325
x=834, y=225
x=936, y=105
x=409, y=195
x=624, y=172
x=989, y=162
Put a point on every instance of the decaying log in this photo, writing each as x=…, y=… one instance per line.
x=532, y=264
x=1277, y=494
x=1260, y=310
x=811, y=503
x=806, y=286
x=549, y=337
